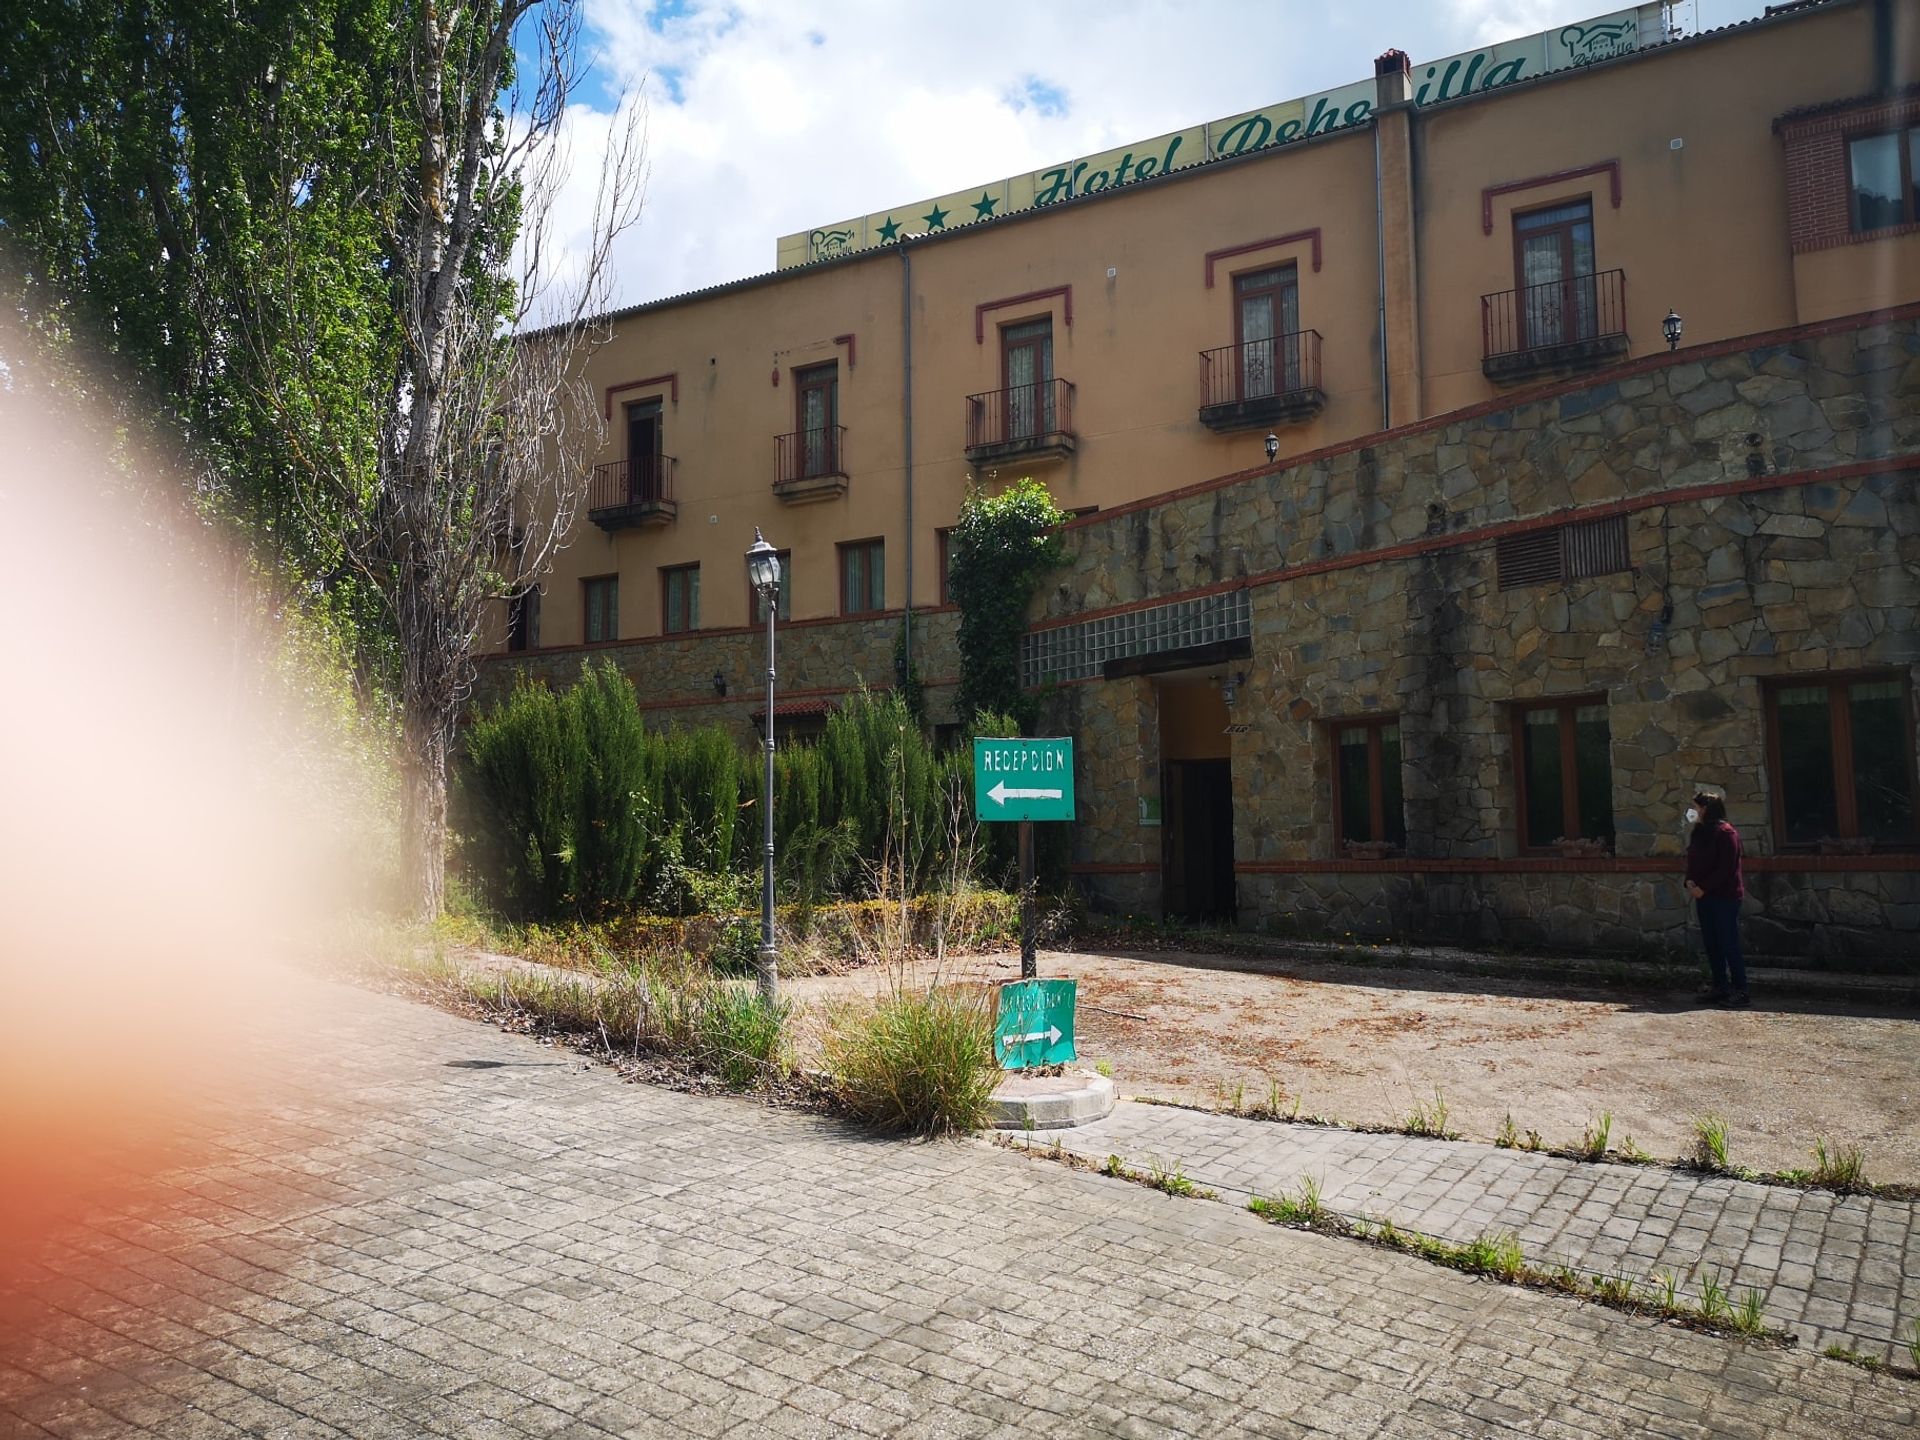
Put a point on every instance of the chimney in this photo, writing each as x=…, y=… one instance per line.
x=1392, y=80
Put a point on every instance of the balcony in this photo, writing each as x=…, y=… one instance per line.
x=1258, y=384
x=1022, y=422
x=810, y=464
x=1554, y=328
x=629, y=494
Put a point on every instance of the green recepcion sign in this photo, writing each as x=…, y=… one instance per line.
x=1035, y=1026
x=1023, y=779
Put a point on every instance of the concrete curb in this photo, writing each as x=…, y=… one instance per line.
x=1054, y=1104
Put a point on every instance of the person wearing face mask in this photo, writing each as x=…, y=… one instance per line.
x=1713, y=880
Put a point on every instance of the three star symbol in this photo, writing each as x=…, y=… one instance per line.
x=983, y=207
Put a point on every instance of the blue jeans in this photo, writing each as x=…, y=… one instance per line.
x=1720, y=929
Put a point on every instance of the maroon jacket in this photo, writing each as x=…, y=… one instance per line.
x=1713, y=861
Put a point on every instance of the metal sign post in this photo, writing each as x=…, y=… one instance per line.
x=1024, y=781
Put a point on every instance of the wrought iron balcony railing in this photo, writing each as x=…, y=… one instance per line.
x=1261, y=382
x=816, y=454
x=1581, y=320
x=626, y=493
x=1022, y=420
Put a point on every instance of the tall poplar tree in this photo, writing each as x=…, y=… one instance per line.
x=320, y=232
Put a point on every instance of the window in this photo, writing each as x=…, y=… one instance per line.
x=646, y=468
x=679, y=599
x=1366, y=783
x=783, y=596
x=1563, y=552
x=817, y=418
x=1565, y=772
x=862, y=577
x=1842, y=757
x=1553, y=266
x=601, y=600
x=1026, y=358
x=1884, y=171
x=1266, y=326
x=523, y=620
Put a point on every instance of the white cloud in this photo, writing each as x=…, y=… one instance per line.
x=769, y=116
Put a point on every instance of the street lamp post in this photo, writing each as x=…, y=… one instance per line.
x=763, y=572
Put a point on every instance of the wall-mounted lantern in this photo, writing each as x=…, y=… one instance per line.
x=1273, y=446
x=1670, y=327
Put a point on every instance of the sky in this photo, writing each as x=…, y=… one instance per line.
x=766, y=117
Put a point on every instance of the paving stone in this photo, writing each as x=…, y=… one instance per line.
x=404, y=1248
x=1807, y=1251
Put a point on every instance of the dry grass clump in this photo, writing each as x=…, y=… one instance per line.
x=918, y=1061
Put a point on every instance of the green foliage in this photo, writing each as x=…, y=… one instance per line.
x=523, y=797
x=1430, y=1121
x=1840, y=1168
x=1002, y=546
x=675, y=1013
x=919, y=1062
x=1304, y=1208
x=1593, y=1142
x=571, y=808
x=1710, y=1142
x=197, y=191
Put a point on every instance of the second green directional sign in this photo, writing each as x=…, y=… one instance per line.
x=1023, y=779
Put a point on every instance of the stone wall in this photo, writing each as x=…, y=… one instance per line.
x=1374, y=590
x=821, y=659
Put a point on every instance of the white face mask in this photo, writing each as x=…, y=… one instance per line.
x=1693, y=816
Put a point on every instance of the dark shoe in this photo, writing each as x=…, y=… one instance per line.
x=1710, y=995
x=1737, y=1000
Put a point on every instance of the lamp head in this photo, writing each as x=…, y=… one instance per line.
x=1273, y=445
x=763, y=565
x=1670, y=327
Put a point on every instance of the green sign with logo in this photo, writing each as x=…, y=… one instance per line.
x=1035, y=1026
x=1023, y=779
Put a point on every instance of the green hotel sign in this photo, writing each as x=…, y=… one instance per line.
x=1476, y=71
x=1023, y=779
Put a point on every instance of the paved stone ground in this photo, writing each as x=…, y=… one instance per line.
x=1834, y=1269
x=415, y=1225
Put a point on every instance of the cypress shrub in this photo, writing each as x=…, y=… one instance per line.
x=521, y=796
x=610, y=829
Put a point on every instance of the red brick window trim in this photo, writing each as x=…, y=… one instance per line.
x=1820, y=210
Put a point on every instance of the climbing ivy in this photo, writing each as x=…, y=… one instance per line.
x=1003, y=546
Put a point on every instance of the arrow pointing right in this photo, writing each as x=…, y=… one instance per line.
x=1051, y=1035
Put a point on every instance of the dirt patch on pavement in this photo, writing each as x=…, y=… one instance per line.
x=1366, y=1045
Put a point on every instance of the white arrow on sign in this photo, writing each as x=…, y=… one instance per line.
x=1051, y=1035
x=1001, y=794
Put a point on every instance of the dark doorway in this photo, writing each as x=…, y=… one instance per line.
x=1197, y=839
x=644, y=467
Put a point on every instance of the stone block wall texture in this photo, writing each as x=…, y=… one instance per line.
x=815, y=659
x=1819, y=574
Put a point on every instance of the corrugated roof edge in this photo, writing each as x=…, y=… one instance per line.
x=1830, y=107
x=1774, y=15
